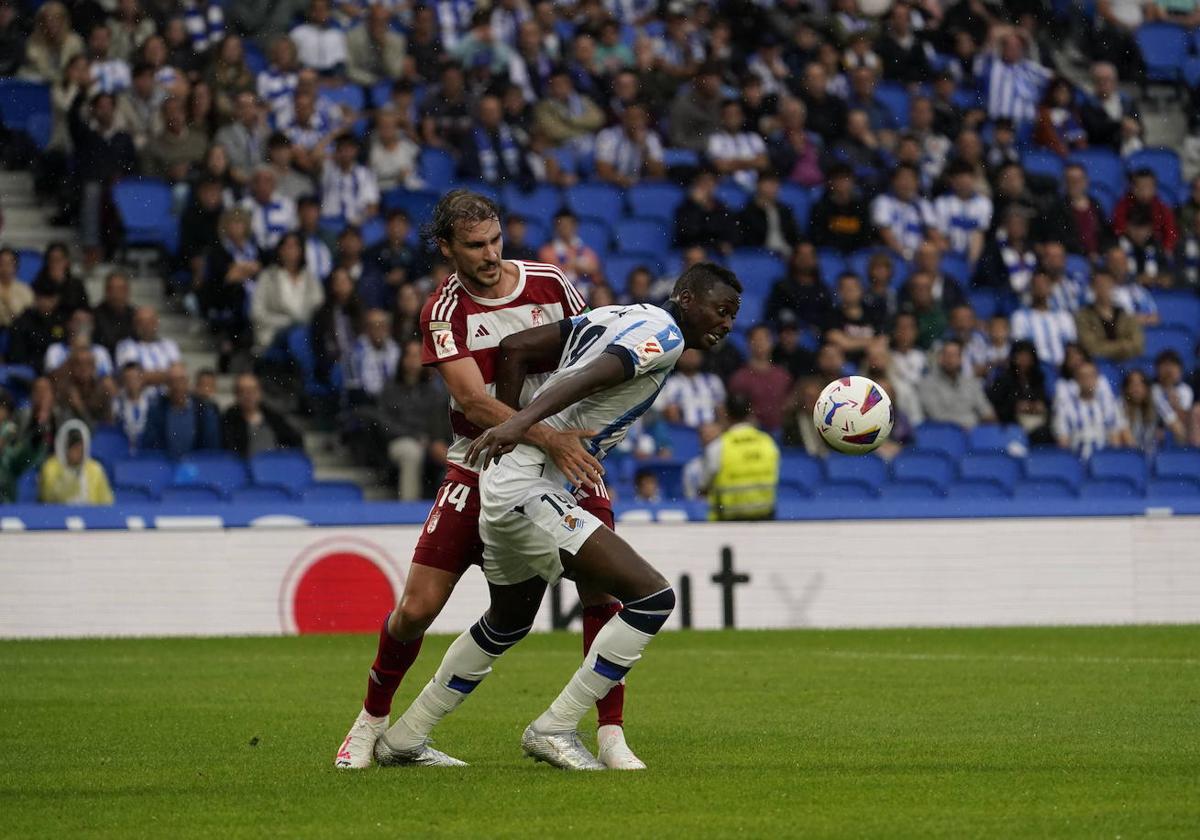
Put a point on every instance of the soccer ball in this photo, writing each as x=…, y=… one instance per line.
x=853, y=414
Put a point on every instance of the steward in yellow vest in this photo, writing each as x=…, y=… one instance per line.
x=744, y=464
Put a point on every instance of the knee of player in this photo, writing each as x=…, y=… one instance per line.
x=417, y=611
x=649, y=613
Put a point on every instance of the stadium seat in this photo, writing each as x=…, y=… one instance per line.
x=640, y=235
x=757, y=269
x=1180, y=339
x=540, y=203
x=109, y=445
x=1129, y=464
x=1042, y=163
x=956, y=267
x=977, y=488
x=418, y=204
x=482, y=187
x=1103, y=167
x=831, y=263
x=351, y=96
x=27, y=487
x=436, y=168
x=256, y=494
x=1055, y=463
x=850, y=490
x=993, y=437
x=1175, y=306
x=1164, y=163
x=669, y=472
x=799, y=201
x=144, y=205
x=25, y=106
x=286, y=467
x=1160, y=489
x=1191, y=71
x=1043, y=488
x=1178, y=463
x=798, y=467
x=985, y=302
x=935, y=467
x=223, y=472
x=684, y=441
x=537, y=233
x=681, y=158
x=373, y=231
x=942, y=437
x=868, y=468
x=599, y=200
x=125, y=495
x=1109, y=488
x=30, y=264
x=332, y=492
x=153, y=473
x=655, y=200
x=595, y=232
x=198, y=494
x=732, y=195
x=1164, y=47
x=618, y=267
x=996, y=466
x=895, y=98
x=910, y=489
x=788, y=491
x=299, y=345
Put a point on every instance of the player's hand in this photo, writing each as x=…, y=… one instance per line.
x=566, y=450
x=496, y=441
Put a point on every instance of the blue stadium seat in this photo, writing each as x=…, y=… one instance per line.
x=753, y=306
x=1180, y=339
x=894, y=97
x=985, y=303
x=256, y=494
x=1104, y=196
x=997, y=466
x=798, y=467
x=791, y=492
x=537, y=233
x=482, y=187
x=1129, y=464
x=684, y=441
x=599, y=200
x=935, y=467
x=153, y=473
x=256, y=60
x=955, y=267
x=977, y=488
x=299, y=345
x=1055, y=463
x=849, y=490
x=351, y=96
x=910, y=489
x=223, y=472
x=436, y=168
x=1103, y=167
x=1175, y=306
x=109, y=445
x=30, y=263
x=595, y=232
x=618, y=267
x=1178, y=463
x=1046, y=164
x=197, y=494
x=1109, y=488
x=1164, y=47
x=868, y=468
x=757, y=269
x=683, y=158
x=373, y=231
x=640, y=235
x=1043, y=488
x=732, y=195
x=655, y=200
x=25, y=106
x=418, y=204
x=540, y=203
x=800, y=201
x=993, y=437
x=1164, y=163
x=125, y=495
x=27, y=487
x=1191, y=71
x=942, y=437
x=1163, y=489
x=333, y=492
x=285, y=467
x=670, y=475
x=831, y=263
x=144, y=205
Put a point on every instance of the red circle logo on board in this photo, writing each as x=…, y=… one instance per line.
x=339, y=585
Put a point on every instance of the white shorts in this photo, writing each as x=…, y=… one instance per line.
x=526, y=517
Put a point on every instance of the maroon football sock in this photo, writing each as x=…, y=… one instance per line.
x=611, y=707
x=392, y=661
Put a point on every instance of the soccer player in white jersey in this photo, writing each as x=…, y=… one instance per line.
x=613, y=361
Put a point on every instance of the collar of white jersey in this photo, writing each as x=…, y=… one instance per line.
x=500, y=301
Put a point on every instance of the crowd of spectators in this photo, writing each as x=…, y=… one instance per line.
x=282, y=126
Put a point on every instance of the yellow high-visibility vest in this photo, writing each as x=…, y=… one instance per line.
x=744, y=486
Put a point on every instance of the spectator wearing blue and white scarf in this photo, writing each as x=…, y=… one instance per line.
x=493, y=152
x=1012, y=83
x=375, y=357
x=205, y=24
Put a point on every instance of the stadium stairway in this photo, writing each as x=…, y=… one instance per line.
x=26, y=221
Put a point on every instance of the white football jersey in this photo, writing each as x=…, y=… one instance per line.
x=649, y=342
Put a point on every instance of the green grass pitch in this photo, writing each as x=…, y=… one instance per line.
x=1089, y=732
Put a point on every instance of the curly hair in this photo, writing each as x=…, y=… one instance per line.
x=458, y=206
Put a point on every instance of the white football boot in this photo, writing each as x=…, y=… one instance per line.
x=356, y=751
x=614, y=753
x=418, y=754
x=563, y=750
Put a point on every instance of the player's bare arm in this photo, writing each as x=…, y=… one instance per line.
x=522, y=350
x=605, y=371
x=466, y=385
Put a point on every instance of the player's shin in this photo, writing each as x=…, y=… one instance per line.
x=392, y=661
x=618, y=645
x=610, y=708
x=466, y=663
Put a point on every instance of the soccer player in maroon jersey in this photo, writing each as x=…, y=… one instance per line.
x=462, y=324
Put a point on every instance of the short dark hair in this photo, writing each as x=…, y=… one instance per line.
x=703, y=277
x=738, y=407
x=397, y=213
x=1168, y=355
x=959, y=167
x=459, y=206
x=1144, y=173
x=564, y=213
x=278, y=140
x=307, y=200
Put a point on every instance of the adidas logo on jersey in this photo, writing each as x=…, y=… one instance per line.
x=481, y=331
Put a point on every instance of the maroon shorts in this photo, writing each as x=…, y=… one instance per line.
x=450, y=536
